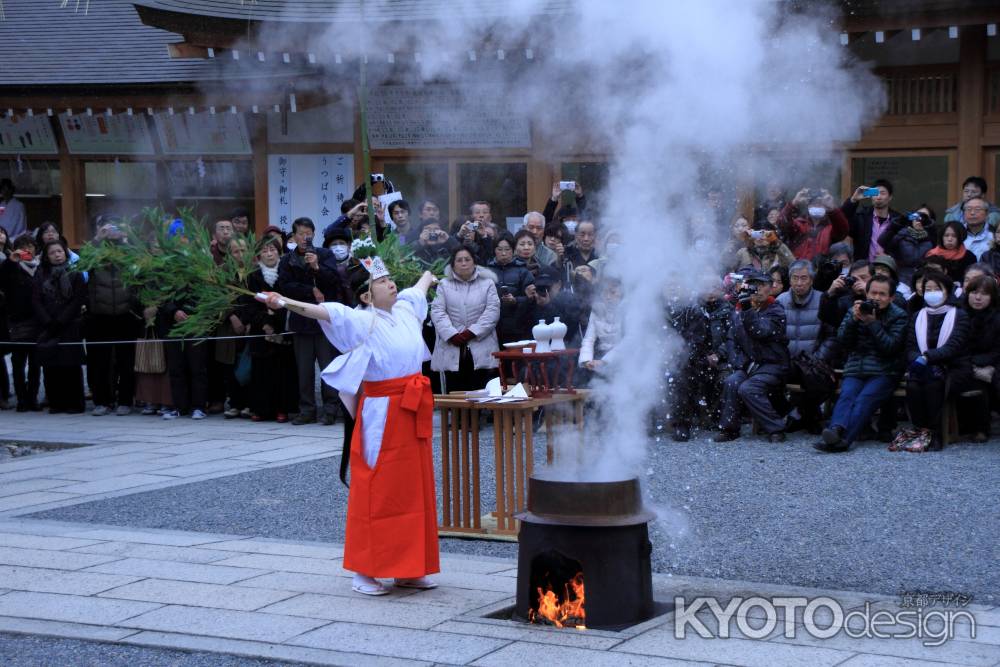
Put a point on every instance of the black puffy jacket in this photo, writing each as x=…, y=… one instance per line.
x=106, y=295
x=759, y=338
x=513, y=277
x=908, y=251
x=875, y=348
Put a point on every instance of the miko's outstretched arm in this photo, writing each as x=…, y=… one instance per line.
x=275, y=301
x=426, y=282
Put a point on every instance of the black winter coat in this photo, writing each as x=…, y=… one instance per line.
x=720, y=318
x=106, y=295
x=860, y=220
x=952, y=350
x=692, y=324
x=759, y=338
x=296, y=280
x=875, y=348
x=992, y=257
x=908, y=251
x=568, y=308
x=59, y=296
x=513, y=277
x=981, y=347
x=18, y=288
x=255, y=315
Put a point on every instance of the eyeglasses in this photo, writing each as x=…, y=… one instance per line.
x=975, y=208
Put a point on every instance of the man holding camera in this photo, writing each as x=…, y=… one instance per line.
x=846, y=288
x=476, y=233
x=873, y=334
x=433, y=243
x=310, y=274
x=869, y=222
x=758, y=353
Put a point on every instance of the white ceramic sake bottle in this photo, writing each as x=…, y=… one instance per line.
x=558, y=330
x=543, y=335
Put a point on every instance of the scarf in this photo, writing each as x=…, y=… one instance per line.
x=948, y=255
x=30, y=267
x=270, y=275
x=950, y=312
x=915, y=235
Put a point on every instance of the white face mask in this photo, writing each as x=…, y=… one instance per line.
x=340, y=252
x=934, y=298
x=291, y=245
x=571, y=226
x=816, y=212
x=611, y=248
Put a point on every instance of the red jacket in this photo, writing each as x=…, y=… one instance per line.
x=806, y=239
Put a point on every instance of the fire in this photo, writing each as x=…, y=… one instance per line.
x=569, y=612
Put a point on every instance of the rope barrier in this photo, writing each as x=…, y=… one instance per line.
x=150, y=340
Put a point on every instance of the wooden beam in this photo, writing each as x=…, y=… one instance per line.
x=185, y=50
x=908, y=20
x=971, y=96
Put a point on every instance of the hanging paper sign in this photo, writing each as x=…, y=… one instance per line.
x=99, y=134
x=27, y=135
x=203, y=134
x=385, y=200
x=441, y=117
x=311, y=186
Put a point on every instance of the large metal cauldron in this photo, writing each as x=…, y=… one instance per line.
x=597, y=528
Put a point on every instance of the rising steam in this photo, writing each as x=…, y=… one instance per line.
x=678, y=96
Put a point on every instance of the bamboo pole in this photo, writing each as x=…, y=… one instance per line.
x=366, y=157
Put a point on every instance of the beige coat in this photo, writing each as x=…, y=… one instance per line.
x=473, y=304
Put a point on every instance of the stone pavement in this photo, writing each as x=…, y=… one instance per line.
x=289, y=600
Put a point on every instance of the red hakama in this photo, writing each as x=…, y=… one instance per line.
x=392, y=509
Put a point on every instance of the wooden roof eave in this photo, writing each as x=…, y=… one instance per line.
x=227, y=33
x=157, y=96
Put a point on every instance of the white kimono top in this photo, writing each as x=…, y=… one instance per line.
x=376, y=346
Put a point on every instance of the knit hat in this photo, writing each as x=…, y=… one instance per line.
x=338, y=234
x=888, y=262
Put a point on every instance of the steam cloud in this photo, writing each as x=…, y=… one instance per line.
x=677, y=96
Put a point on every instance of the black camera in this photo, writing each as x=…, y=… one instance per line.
x=867, y=307
x=745, y=295
x=849, y=281
x=814, y=194
x=504, y=290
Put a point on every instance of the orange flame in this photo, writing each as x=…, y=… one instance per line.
x=569, y=612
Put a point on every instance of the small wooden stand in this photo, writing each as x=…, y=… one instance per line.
x=513, y=442
x=536, y=365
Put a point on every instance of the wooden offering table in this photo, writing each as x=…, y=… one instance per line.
x=513, y=444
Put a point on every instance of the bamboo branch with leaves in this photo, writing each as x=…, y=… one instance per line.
x=165, y=261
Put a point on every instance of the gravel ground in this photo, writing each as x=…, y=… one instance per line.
x=869, y=520
x=30, y=651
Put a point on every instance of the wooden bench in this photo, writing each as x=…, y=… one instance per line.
x=949, y=413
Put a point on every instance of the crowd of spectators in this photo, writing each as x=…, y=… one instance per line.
x=825, y=315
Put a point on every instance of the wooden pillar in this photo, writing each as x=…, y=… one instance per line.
x=261, y=197
x=73, y=216
x=971, y=92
